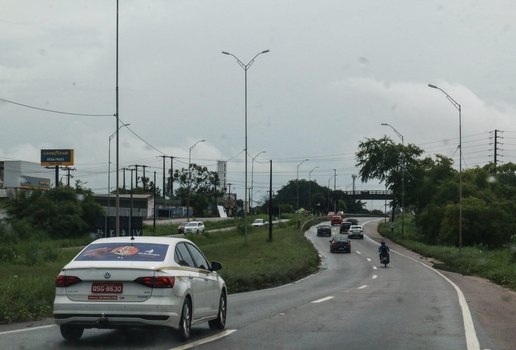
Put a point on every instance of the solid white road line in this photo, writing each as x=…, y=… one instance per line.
x=362, y=287
x=205, y=340
x=321, y=300
x=374, y=276
x=27, y=329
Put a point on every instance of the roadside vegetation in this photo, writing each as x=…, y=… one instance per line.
x=28, y=270
x=497, y=265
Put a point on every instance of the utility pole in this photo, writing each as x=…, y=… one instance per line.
x=354, y=178
x=144, y=178
x=68, y=169
x=154, y=209
x=270, y=201
x=495, y=147
x=335, y=189
x=171, y=177
x=123, y=186
x=131, y=210
x=163, y=176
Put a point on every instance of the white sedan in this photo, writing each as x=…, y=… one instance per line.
x=141, y=281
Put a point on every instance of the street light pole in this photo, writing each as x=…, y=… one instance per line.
x=252, y=175
x=245, y=67
x=459, y=108
x=190, y=179
x=109, y=175
x=402, y=179
x=297, y=182
x=310, y=187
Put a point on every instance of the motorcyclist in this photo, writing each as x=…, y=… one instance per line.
x=383, y=249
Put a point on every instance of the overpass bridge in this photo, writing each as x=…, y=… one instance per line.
x=375, y=194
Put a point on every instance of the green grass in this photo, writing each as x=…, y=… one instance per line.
x=497, y=265
x=27, y=284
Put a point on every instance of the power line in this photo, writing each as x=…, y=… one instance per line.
x=55, y=111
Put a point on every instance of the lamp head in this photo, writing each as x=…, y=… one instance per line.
x=226, y=53
x=265, y=51
x=433, y=86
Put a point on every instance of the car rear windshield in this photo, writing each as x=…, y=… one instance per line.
x=121, y=251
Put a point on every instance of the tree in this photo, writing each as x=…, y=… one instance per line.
x=384, y=160
x=204, y=186
x=61, y=212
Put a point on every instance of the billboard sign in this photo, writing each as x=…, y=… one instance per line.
x=51, y=157
x=30, y=182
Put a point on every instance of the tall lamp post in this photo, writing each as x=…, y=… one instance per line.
x=252, y=174
x=297, y=182
x=245, y=67
x=310, y=187
x=190, y=179
x=402, y=180
x=109, y=175
x=459, y=108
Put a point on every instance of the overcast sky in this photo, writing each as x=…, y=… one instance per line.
x=336, y=70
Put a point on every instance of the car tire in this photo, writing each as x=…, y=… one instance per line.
x=185, y=324
x=71, y=332
x=220, y=321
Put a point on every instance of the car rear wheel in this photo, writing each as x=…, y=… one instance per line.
x=220, y=321
x=185, y=324
x=71, y=332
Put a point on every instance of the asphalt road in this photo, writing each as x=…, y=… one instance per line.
x=352, y=303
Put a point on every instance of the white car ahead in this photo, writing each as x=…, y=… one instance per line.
x=141, y=281
x=194, y=227
x=259, y=223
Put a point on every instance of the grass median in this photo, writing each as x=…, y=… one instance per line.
x=28, y=270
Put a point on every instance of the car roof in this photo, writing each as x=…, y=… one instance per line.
x=142, y=239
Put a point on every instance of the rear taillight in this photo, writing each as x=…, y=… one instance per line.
x=156, y=282
x=66, y=281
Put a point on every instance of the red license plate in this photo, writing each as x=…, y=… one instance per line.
x=107, y=287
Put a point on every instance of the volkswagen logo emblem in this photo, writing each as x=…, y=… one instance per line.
x=107, y=275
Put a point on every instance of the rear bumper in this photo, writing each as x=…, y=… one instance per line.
x=115, y=315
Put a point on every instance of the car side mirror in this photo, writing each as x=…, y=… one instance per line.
x=216, y=266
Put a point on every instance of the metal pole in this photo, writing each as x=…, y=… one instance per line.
x=251, y=197
x=459, y=108
x=402, y=178
x=190, y=179
x=117, y=222
x=297, y=183
x=245, y=67
x=310, y=187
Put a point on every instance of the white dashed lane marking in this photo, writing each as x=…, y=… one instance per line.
x=321, y=300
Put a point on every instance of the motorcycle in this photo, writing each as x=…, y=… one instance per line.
x=384, y=258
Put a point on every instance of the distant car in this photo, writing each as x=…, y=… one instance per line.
x=330, y=214
x=340, y=244
x=356, y=231
x=194, y=227
x=344, y=227
x=181, y=228
x=336, y=220
x=352, y=221
x=142, y=281
x=324, y=230
x=259, y=223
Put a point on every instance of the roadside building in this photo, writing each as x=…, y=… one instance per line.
x=17, y=175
